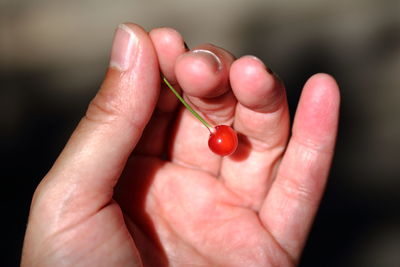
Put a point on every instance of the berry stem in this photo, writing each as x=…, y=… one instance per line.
x=205, y=123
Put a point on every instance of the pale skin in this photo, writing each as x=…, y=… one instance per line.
x=134, y=187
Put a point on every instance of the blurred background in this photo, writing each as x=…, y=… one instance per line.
x=53, y=55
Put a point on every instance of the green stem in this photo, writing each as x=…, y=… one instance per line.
x=187, y=105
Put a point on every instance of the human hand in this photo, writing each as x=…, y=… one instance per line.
x=136, y=188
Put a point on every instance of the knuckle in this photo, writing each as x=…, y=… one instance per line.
x=105, y=107
x=294, y=189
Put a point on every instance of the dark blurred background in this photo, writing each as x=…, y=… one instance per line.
x=53, y=55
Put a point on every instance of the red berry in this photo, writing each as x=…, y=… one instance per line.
x=223, y=141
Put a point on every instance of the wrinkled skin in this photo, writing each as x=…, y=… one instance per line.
x=135, y=187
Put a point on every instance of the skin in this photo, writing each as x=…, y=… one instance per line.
x=135, y=187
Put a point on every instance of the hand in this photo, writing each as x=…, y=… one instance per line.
x=135, y=187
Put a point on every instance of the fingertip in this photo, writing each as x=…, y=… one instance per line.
x=249, y=67
x=324, y=80
x=317, y=115
x=133, y=28
x=321, y=91
x=198, y=73
x=254, y=85
x=166, y=36
x=321, y=76
x=169, y=45
x=164, y=33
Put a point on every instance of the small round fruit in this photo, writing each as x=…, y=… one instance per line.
x=223, y=141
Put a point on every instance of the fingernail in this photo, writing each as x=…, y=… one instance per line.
x=186, y=46
x=124, y=48
x=212, y=58
x=261, y=62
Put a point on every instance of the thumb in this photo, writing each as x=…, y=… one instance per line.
x=89, y=166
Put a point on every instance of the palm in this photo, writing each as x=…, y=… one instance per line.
x=199, y=203
x=191, y=211
x=177, y=216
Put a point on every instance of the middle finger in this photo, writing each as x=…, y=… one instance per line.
x=203, y=75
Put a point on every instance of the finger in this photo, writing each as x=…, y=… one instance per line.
x=203, y=75
x=262, y=121
x=169, y=45
x=83, y=177
x=294, y=197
